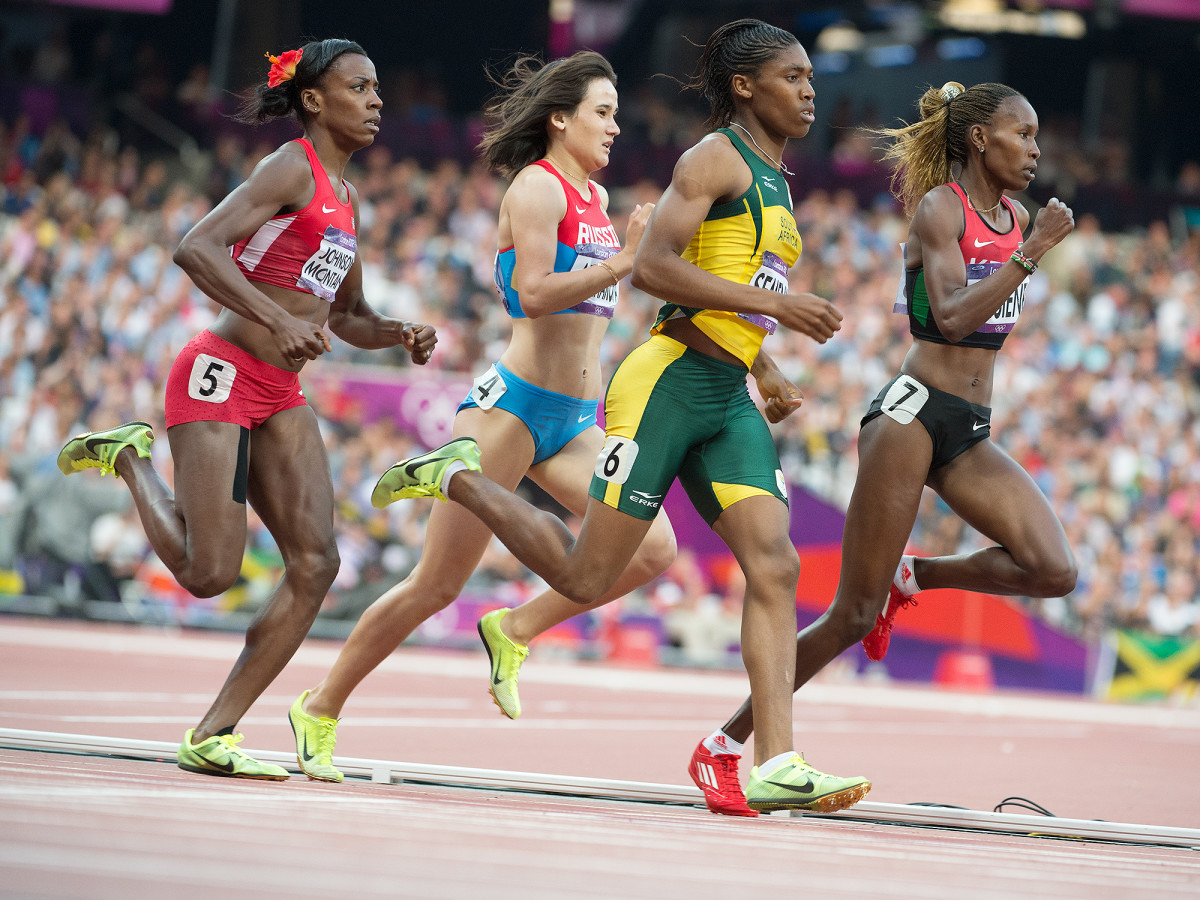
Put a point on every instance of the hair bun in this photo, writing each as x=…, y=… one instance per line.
x=950, y=90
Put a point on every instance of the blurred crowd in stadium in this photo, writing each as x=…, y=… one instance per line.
x=1097, y=394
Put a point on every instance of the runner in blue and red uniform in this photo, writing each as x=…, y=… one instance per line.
x=966, y=264
x=558, y=266
x=279, y=254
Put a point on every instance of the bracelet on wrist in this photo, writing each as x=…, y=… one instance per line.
x=609, y=269
x=1024, y=261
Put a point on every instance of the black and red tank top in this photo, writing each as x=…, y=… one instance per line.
x=984, y=250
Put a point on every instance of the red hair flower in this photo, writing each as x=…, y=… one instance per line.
x=283, y=67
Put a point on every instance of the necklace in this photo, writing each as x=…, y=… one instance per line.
x=779, y=165
x=982, y=212
x=567, y=171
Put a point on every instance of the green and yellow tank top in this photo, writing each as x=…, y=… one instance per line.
x=750, y=240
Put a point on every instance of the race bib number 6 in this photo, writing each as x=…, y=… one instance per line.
x=615, y=460
x=211, y=379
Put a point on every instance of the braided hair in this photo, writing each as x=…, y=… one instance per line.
x=736, y=48
x=926, y=151
x=263, y=102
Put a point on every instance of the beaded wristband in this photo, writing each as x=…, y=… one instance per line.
x=609, y=270
x=1022, y=260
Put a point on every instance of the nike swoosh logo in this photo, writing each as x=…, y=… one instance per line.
x=327, y=211
x=410, y=469
x=804, y=789
x=92, y=443
x=307, y=757
x=979, y=243
x=978, y=425
x=583, y=418
x=581, y=211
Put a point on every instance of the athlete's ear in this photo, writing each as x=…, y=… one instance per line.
x=741, y=86
x=975, y=139
x=558, y=121
x=310, y=100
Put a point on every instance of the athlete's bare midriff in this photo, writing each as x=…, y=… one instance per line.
x=559, y=353
x=965, y=372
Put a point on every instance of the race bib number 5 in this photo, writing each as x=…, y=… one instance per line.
x=615, y=460
x=211, y=379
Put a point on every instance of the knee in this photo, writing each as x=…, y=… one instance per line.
x=852, y=617
x=209, y=582
x=315, y=569
x=655, y=555
x=1057, y=578
x=415, y=595
x=583, y=588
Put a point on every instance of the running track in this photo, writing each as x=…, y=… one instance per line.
x=74, y=826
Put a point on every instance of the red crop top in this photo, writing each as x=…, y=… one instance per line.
x=308, y=250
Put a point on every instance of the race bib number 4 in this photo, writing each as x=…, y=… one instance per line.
x=488, y=388
x=211, y=379
x=616, y=458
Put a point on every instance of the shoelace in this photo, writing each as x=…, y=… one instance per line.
x=231, y=742
x=727, y=776
x=326, y=739
x=889, y=622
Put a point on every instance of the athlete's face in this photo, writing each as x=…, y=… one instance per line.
x=348, y=100
x=588, y=133
x=1009, y=142
x=782, y=93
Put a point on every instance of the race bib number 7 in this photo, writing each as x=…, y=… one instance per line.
x=904, y=399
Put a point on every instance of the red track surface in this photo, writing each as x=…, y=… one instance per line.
x=92, y=827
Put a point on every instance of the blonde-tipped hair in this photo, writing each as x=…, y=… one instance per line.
x=926, y=151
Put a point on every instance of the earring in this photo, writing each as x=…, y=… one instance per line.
x=980, y=149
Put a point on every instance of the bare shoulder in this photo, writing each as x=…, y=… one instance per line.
x=286, y=172
x=712, y=167
x=535, y=188
x=939, y=211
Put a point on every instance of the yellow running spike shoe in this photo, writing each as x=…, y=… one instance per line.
x=421, y=476
x=797, y=785
x=315, y=738
x=506, y=656
x=99, y=449
x=220, y=755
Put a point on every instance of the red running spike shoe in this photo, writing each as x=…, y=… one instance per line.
x=876, y=643
x=716, y=774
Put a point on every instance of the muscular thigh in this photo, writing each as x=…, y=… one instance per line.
x=289, y=483
x=566, y=475
x=207, y=493
x=995, y=496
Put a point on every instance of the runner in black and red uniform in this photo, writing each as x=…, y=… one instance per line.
x=966, y=263
x=279, y=254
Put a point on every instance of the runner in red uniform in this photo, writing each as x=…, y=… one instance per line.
x=279, y=254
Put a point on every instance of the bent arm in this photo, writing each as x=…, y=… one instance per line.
x=706, y=174
x=958, y=308
x=280, y=181
x=535, y=205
